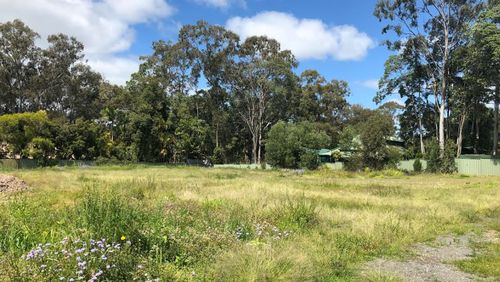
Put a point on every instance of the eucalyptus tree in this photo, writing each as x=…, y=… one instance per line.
x=19, y=59
x=213, y=51
x=323, y=102
x=483, y=58
x=260, y=77
x=436, y=29
x=405, y=74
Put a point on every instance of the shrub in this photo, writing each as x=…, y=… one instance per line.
x=432, y=156
x=435, y=163
x=41, y=149
x=354, y=163
x=218, y=155
x=309, y=160
x=417, y=166
x=287, y=143
x=18, y=130
x=448, y=162
x=374, y=133
x=394, y=155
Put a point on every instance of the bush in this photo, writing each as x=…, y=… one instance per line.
x=374, y=133
x=435, y=163
x=432, y=156
x=448, y=162
x=291, y=145
x=394, y=156
x=417, y=166
x=41, y=149
x=19, y=130
x=354, y=163
x=309, y=160
x=218, y=155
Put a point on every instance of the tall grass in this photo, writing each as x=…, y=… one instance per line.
x=226, y=224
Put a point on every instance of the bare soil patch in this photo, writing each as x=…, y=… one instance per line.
x=432, y=262
x=10, y=183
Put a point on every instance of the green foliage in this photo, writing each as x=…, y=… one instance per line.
x=394, y=156
x=19, y=130
x=310, y=160
x=294, y=145
x=41, y=149
x=374, y=134
x=448, y=164
x=417, y=166
x=82, y=140
x=436, y=163
x=432, y=156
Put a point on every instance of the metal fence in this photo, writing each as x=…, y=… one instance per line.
x=27, y=163
x=467, y=164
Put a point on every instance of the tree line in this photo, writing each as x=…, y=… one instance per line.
x=211, y=95
x=207, y=95
x=446, y=67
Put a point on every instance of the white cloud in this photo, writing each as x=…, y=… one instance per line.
x=369, y=83
x=116, y=69
x=306, y=38
x=223, y=4
x=104, y=26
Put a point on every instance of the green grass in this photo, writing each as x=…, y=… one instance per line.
x=229, y=224
x=486, y=263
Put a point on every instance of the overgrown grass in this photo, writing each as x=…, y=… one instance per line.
x=244, y=225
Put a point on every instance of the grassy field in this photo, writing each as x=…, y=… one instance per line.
x=199, y=224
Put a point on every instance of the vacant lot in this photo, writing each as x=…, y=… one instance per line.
x=241, y=225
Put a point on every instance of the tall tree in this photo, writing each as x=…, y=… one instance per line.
x=436, y=28
x=483, y=58
x=213, y=50
x=19, y=59
x=259, y=76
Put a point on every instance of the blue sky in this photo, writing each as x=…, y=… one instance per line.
x=340, y=39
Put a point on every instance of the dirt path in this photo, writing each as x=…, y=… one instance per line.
x=431, y=263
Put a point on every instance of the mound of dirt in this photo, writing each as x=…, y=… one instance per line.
x=10, y=183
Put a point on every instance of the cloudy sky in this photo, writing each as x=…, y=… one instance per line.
x=341, y=39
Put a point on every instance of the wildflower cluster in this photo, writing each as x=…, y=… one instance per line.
x=76, y=260
x=260, y=231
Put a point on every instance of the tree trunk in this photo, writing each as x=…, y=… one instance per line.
x=254, y=148
x=422, y=145
x=217, y=135
x=495, y=122
x=259, y=155
x=444, y=81
x=460, y=134
x=476, y=137
x=441, y=128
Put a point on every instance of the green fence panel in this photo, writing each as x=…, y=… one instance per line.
x=408, y=165
x=335, y=166
x=9, y=163
x=470, y=166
